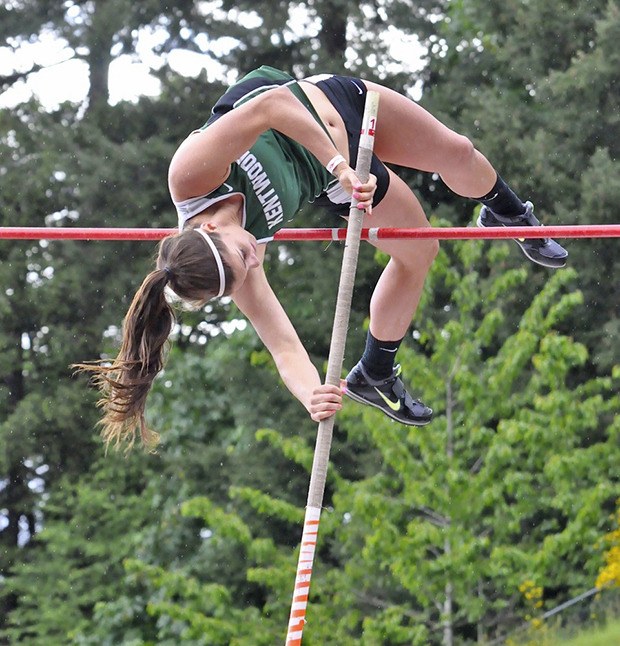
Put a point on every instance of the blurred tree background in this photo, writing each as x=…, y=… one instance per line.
x=429, y=534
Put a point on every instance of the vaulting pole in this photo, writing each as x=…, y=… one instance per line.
x=318, y=476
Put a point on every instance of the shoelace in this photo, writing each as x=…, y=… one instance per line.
x=394, y=384
x=525, y=219
x=531, y=220
x=400, y=391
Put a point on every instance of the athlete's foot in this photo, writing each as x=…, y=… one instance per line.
x=388, y=395
x=543, y=251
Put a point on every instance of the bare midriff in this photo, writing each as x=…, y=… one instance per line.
x=328, y=115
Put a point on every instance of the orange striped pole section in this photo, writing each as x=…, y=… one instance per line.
x=301, y=593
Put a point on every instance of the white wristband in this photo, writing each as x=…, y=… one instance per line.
x=333, y=162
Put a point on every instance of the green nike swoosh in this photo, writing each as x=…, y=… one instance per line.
x=395, y=406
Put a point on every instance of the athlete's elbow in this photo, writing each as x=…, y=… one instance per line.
x=181, y=178
x=274, y=104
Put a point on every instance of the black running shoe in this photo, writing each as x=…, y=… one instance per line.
x=543, y=251
x=388, y=395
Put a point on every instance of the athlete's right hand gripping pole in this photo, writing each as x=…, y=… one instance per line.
x=318, y=476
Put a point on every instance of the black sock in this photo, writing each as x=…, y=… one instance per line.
x=502, y=200
x=378, y=357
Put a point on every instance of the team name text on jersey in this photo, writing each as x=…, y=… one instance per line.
x=266, y=194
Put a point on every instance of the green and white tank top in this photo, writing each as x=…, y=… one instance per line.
x=276, y=176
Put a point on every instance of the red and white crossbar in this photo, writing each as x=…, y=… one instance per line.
x=338, y=233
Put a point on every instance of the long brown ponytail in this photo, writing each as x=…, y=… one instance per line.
x=186, y=264
x=126, y=382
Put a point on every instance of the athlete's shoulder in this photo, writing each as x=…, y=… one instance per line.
x=267, y=72
x=246, y=87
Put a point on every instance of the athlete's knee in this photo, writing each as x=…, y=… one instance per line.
x=419, y=256
x=462, y=151
x=430, y=251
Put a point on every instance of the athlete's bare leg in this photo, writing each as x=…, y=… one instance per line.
x=397, y=293
x=410, y=136
x=422, y=142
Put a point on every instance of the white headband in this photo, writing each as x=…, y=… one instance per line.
x=218, y=260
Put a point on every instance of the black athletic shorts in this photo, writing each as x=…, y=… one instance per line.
x=348, y=96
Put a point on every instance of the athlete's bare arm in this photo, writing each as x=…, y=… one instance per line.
x=258, y=302
x=202, y=161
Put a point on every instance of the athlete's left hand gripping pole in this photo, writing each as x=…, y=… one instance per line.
x=318, y=476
